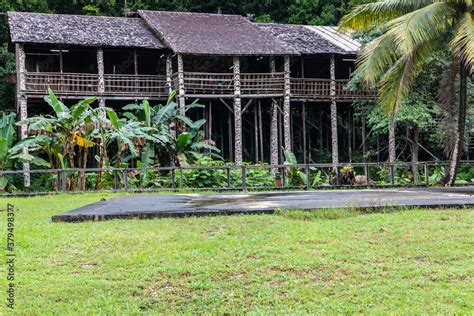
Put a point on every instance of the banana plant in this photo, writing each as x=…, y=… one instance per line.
x=10, y=153
x=185, y=147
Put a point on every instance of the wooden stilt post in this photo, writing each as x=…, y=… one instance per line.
x=255, y=124
x=230, y=136
x=209, y=121
x=303, y=116
x=280, y=133
x=260, y=129
x=169, y=84
x=349, y=135
x=286, y=105
x=169, y=73
x=334, y=140
x=274, y=148
x=22, y=105
x=101, y=83
x=364, y=143
x=237, y=113
x=181, y=93
x=321, y=136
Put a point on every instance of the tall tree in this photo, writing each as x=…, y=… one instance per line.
x=414, y=29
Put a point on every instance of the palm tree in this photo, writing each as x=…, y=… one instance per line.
x=413, y=30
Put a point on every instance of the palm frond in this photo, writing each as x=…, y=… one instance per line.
x=463, y=41
x=375, y=58
x=420, y=26
x=397, y=81
x=370, y=15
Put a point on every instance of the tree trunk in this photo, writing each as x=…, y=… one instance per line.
x=459, y=142
x=71, y=155
x=392, y=151
x=84, y=165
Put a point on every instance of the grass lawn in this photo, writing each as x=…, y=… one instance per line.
x=413, y=261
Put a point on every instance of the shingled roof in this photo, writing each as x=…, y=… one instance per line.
x=80, y=30
x=313, y=39
x=213, y=34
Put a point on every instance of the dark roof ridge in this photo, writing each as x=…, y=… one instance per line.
x=195, y=13
x=74, y=15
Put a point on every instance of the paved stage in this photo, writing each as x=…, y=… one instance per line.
x=148, y=206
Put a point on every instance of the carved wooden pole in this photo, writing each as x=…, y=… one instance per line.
x=169, y=84
x=169, y=73
x=274, y=125
x=101, y=83
x=237, y=113
x=22, y=105
x=334, y=142
x=181, y=99
x=286, y=105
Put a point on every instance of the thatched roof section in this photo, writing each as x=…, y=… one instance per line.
x=80, y=30
x=213, y=34
x=309, y=40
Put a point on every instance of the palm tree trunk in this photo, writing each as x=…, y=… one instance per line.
x=459, y=143
x=392, y=145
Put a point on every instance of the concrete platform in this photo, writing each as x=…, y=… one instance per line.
x=149, y=206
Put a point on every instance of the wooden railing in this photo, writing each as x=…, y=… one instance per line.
x=222, y=84
x=77, y=84
x=312, y=88
x=37, y=83
x=136, y=85
x=195, y=84
x=265, y=84
x=320, y=89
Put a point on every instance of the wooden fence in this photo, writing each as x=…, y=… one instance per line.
x=232, y=177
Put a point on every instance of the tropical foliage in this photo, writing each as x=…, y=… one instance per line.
x=142, y=137
x=411, y=32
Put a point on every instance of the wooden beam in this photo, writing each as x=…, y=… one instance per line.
x=237, y=113
x=231, y=110
x=286, y=105
x=247, y=105
x=334, y=140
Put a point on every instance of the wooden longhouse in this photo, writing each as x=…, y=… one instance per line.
x=265, y=86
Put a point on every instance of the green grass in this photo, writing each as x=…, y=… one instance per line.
x=412, y=261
